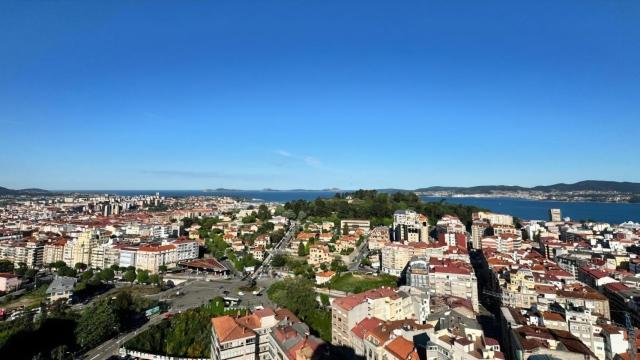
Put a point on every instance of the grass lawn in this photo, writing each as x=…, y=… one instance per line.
x=137, y=289
x=30, y=299
x=357, y=283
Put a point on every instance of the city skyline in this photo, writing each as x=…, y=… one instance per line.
x=167, y=95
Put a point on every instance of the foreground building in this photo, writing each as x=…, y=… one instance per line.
x=382, y=303
x=266, y=334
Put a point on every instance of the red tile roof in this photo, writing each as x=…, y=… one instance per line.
x=227, y=329
x=402, y=348
x=349, y=302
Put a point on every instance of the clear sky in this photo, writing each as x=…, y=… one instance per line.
x=312, y=94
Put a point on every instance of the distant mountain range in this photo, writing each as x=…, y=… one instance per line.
x=5, y=191
x=587, y=185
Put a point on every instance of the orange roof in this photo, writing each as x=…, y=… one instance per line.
x=227, y=329
x=402, y=348
x=325, y=274
x=349, y=302
x=552, y=316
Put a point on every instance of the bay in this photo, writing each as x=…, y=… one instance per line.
x=614, y=213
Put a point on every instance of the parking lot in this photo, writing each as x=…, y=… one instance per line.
x=194, y=293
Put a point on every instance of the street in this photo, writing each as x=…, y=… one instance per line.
x=362, y=251
x=110, y=347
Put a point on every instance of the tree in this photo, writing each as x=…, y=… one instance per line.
x=21, y=270
x=162, y=268
x=30, y=273
x=338, y=266
x=301, y=249
x=107, y=275
x=80, y=266
x=278, y=260
x=289, y=214
x=58, y=264
x=263, y=213
x=66, y=271
x=95, y=280
x=216, y=306
x=155, y=279
x=324, y=299
x=96, y=324
x=85, y=276
x=130, y=276
x=297, y=294
x=187, y=222
x=143, y=277
x=60, y=353
x=6, y=266
x=249, y=219
x=115, y=267
x=345, y=229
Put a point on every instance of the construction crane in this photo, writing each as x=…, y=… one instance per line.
x=631, y=333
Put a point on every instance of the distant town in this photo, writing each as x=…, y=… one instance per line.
x=583, y=191
x=363, y=274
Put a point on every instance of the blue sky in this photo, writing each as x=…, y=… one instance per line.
x=315, y=94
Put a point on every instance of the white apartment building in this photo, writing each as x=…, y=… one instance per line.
x=53, y=252
x=185, y=249
x=150, y=258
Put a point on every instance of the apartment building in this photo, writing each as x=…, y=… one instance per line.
x=479, y=229
x=395, y=257
x=525, y=338
x=267, y=334
x=353, y=225
x=382, y=303
x=456, y=334
x=378, y=237
x=151, y=257
x=53, y=251
x=319, y=254
x=104, y=256
x=392, y=339
x=418, y=273
x=27, y=251
x=580, y=295
x=502, y=243
x=185, y=249
x=453, y=278
x=409, y=226
x=492, y=218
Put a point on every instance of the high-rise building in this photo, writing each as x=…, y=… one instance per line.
x=555, y=215
x=410, y=226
